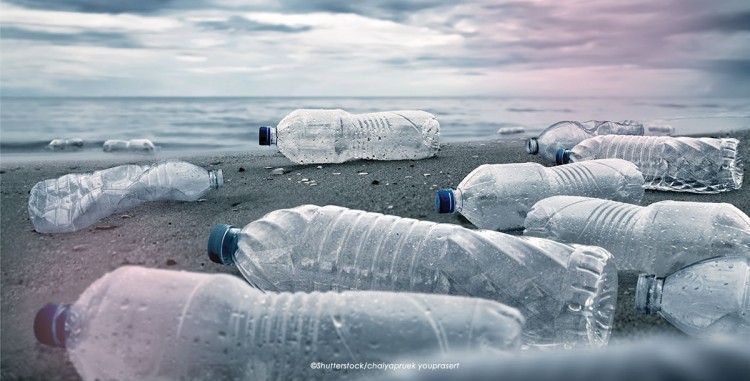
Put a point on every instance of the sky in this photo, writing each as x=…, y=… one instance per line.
x=523, y=48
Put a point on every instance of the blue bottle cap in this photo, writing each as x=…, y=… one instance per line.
x=222, y=243
x=49, y=324
x=445, y=201
x=562, y=156
x=264, y=136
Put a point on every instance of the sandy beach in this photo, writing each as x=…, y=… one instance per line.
x=42, y=268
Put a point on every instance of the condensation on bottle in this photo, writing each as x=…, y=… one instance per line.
x=334, y=136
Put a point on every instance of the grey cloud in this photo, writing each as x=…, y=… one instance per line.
x=395, y=10
x=238, y=23
x=99, y=6
x=114, y=40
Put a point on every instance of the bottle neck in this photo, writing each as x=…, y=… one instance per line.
x=648, y=294
x=216, y=178
x=532, y=146
x=273, y=136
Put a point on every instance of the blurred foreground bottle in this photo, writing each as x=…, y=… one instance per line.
x=710, y=298
x=567, y=293
x=697, y=165
x=78, y=200
x=498, y=196
x=660, y=238
x=567, y=134
x=335, y=136
x=137, y=323
x=133, y=145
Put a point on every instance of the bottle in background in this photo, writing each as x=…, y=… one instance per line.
x=566, y=134
x=133, y=145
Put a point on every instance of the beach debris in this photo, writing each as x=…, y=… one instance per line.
x=124, y=216
x=69, y=145
x=242, y=169
x=375, y=182
x=319, y=167
x=336, y=173
x=267, y=167
x=389, y=207
x=510, y=131
x=132, y=146
x=362, y=173
x=278, y=171
x=427, y=174
x=664, y=129
x=94, y=196
x=566, y=134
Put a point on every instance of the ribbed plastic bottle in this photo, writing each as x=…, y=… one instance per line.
x=137, y=323
x=567, y=293
x=567, y=134
x=660, y=238
x=710, y=298
x=697, y=165
x=78, y=200
x=133, y=145
x=498, y=196
x=74, y=144
x=335, y=136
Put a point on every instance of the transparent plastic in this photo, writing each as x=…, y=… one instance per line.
x=75, y=144
x=498, y=196
x=660, y=238
x=335, y=136
x=567, y=293
x=697, y=165
x=567, y=134
x=133, y=145
x=137, y=323
x=75, y=201
x=706, y=299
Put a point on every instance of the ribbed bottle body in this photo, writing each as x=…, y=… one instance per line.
x=335, y=136
x=311, y=248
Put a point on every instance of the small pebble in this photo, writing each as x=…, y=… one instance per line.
x=171, y=262
x=125, y=216
x=242, y=169
x=267, y=167
x=336, y=173
x=408, y=177
x=319, y=167
x=362, y=173
x=390, y=206
x=278, y=171
x=375, y=182
x=427, y=174
x=200, y=200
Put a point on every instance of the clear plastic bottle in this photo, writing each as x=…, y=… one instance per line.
x=133, y=145
x=567, y=134
x=137, y=323
x=566, y=293
x=335, y=136
x=498, y=196
x=710, y=298
x=660, y=238
x=78, y=200
x=74, y=144
x=697, y=165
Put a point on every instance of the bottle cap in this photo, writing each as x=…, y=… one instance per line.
x=562, y=156
x=49, y=324
x=445, y=201
x=532, y=146
x=264, y=136
x=648, y=293
x=222, y=243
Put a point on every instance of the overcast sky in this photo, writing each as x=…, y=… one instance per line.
x=375, y=48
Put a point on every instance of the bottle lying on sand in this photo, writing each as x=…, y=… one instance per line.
x=710, y=298
x=133, y=145
x=74, y=144
x=78, y=200
x=498, y=196
x=660, y=238
x=138, y=323
x=697, y=165
x=335, y=136
x=567, y=293
x=567, y=134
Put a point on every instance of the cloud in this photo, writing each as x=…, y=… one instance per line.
x=241, y=24
x=115, y=40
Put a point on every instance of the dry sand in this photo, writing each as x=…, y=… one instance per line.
x=41, y=268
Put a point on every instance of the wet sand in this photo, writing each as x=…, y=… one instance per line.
x=41, y=268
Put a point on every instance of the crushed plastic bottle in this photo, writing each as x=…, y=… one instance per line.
x=78, y=200
x=697, y=165
x=133, y=145
x=566, y=134
x=137, y=323
x=75, y=144
x=710, y=298
x=567, y=293
x=335, y=136
x=660, y=238
x=498, y=196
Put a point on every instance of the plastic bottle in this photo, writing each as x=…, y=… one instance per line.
x=78, y=200
x=697, y=165
x=335, y=136
x=566, y=293
x=133, y=145
x=137, y=323
x=567, y=134
x=660, y=238
x=65, y=144
x=498, y=196
x=710, y=298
